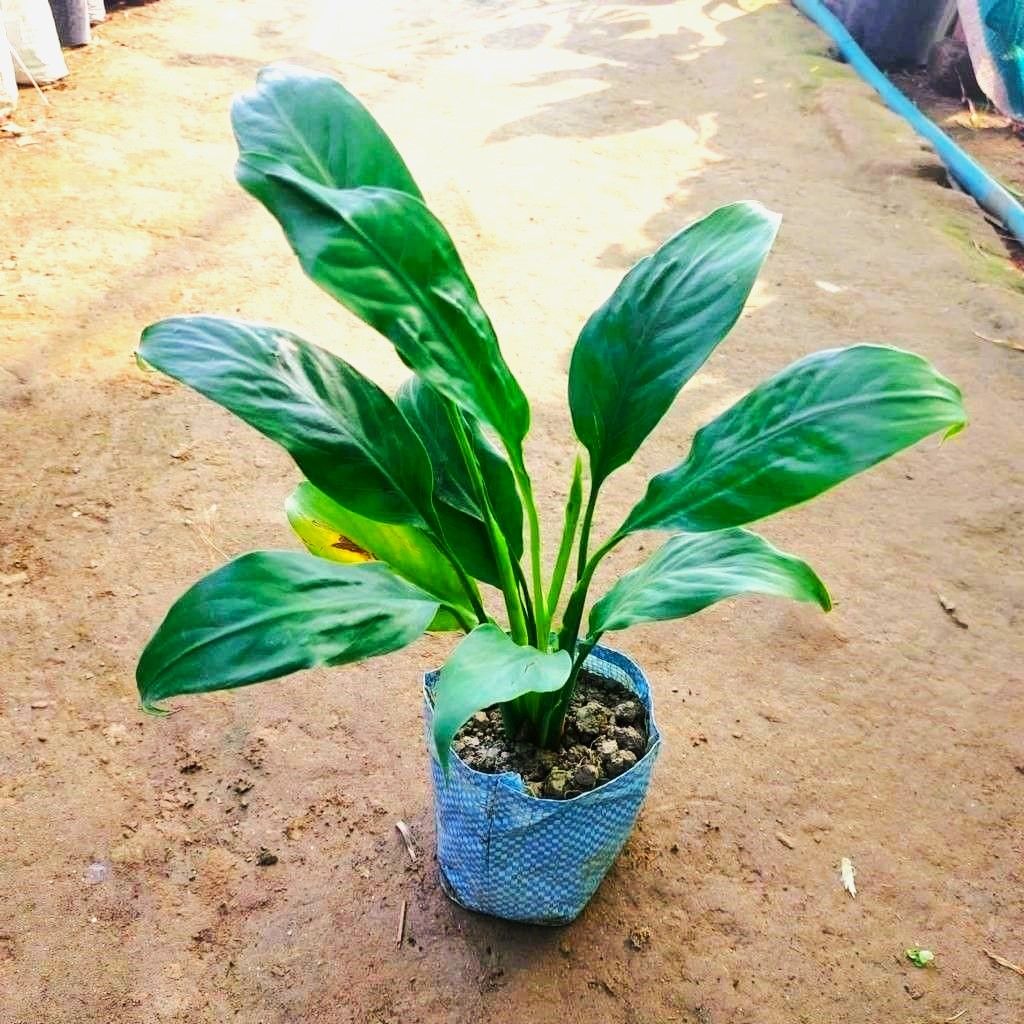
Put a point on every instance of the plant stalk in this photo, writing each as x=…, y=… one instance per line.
x=554, y=720
x=539, y=603
x=569, y=635
x=524, y=594
x=588, y=519
x=467, y=584
x=572, y=518
x=464, y=621
x=502, y=556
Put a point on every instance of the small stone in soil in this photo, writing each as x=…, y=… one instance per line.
x=580, y=764
x=585, y=777
x=627, y=712
x=628, y=738
x=619, y=762
x=592, y=719
x=265, y=858
x=557, y=783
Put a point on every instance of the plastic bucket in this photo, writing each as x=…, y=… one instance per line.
x=504, y=852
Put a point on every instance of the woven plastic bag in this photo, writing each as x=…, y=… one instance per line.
x=8, y=83
x=994, y=30
x=72, y=20
x=504, y=852
x=33, y=39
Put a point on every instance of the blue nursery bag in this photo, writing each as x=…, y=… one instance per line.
x=504, y=852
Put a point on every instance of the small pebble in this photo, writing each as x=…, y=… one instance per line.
x=592, y=719
x=627, y=712
x=585, y=777
x=628, y=738
x=97, y=872
x=621, y=761
x=556, y=783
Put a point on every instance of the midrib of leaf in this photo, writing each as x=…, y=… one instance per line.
x=265, y=619
x=418, y=294
x=303, y=145
x=642, y=342
x=305, y=388
x=789, y=424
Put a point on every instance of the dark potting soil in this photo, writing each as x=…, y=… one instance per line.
x=605, y=735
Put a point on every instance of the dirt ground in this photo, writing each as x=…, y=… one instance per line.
x=559, y=141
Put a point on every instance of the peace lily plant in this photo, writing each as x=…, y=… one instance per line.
x=414, y=507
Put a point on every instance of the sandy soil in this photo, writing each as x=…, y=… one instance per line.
x=559, y=141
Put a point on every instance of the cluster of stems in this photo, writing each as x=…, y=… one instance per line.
x=531, y=608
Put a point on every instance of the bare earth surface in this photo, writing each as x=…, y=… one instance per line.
x=559, y=141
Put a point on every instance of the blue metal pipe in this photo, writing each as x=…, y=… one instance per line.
x=968, y=173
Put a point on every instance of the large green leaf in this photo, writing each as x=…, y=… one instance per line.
x=425, y=410
x=336, y=533
x=345, y=433
x=815, y=424
x=659, y=326
x=311, y=123
x=487, y=668
x=384, y=256
x=270, y=613
x=692, y=571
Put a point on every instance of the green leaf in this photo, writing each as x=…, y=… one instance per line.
x=340, y=535
x=384, y=256
x=822, y=420
x=270, y=613
x=659, y=326
x=692, y=571
x=345, y=433
x=313, y=124
x=920, y=957
x=487, y=668
x=424, y=409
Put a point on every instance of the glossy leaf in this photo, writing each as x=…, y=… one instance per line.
x=489, y=668
x=340, y=535
x=822, y=420
x=270, y=613
x=467, y=537
x=313, y=124
x=692, y=571
x=345, y=434
x=659, y=326
x=384, y=256
x=424, y=409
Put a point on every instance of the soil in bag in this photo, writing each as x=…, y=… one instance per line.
x=605, y=734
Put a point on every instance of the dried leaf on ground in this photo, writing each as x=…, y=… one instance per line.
x=1003, y=962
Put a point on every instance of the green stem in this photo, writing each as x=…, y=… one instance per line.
x=465, y=622
x=516, y=619
x=464, y=579
x=539, y=604
x=588, y=519
x=569, y=635
x=572, y=518
x=554, y=721
x=524, y=594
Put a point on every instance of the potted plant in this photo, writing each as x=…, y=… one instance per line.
x=413, y=506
